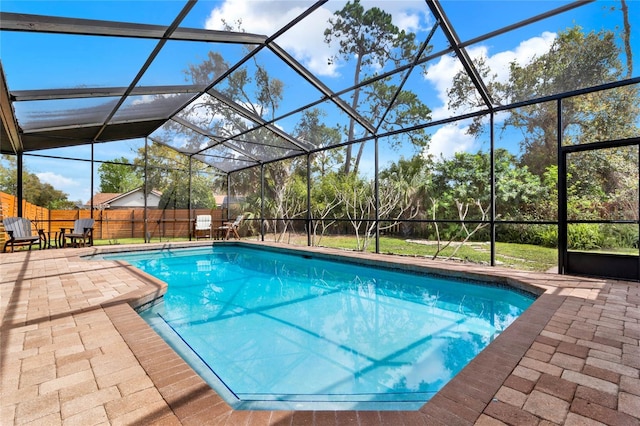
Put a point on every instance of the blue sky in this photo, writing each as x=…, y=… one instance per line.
x=114, y=62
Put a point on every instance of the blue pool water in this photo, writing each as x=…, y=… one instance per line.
x=270, y=330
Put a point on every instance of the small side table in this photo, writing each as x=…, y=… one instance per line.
x=50, y=239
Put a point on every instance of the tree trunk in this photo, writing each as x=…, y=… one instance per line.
x=626, y=37
x=352, y=122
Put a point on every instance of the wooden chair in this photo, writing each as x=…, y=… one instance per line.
x=81, y=233
x=232, y=227
x=20, y=233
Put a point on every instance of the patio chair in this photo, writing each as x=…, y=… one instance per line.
x=80, y=235
x=20, y=233
x=203, y=226
x=232, y=227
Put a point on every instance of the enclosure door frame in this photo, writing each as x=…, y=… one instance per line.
x=593, y=264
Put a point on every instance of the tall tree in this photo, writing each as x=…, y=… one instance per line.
x=575, y=60
x=370, y=37
x=311, y=128
x=465, y=178
x=626, y=36
x=119, y=175
x=415, y=172
x=397, y=201
x=34, y=190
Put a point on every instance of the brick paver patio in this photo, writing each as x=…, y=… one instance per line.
x=73, y=351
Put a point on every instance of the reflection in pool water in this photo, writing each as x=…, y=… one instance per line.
x=273, y=330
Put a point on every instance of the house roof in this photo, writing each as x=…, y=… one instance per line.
x=222, y=200
x=105, y=198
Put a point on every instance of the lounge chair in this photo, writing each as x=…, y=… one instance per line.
x=232, y=227
x=203, y=226
x=20, y=233
x=80, y=235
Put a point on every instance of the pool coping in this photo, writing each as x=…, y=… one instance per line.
x=486, y=390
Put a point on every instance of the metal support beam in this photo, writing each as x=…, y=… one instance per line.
x=92, y=27
x=376, y=194
x=492, y=160
x=147, y=239
x=461, y=53
x=197, y=158
x=92, y=180
x=9, y=132
x=228, y=194
x=562, y=9
x=190, y=196
x=562, y=194
x=244, y=112
x=100, y=92
x=328, y=93
x=262, y=202
x=217, y=139
x=309, y=216
x=156, y=51
x=19, y=193
x=414, y=63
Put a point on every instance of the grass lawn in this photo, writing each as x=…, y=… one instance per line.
x=517, y=256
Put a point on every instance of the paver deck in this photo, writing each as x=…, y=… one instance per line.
x=73, y=351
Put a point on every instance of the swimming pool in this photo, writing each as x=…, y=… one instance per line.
x=270, y=330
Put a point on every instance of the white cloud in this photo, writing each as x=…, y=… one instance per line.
x=523, y=54
x=149, y=99
x=450, y=139
x=441, y=75
x=55, y=180
x=76, y=189
x=256, y=16
x=409, y=22
x=408, y=15
x=305, y=41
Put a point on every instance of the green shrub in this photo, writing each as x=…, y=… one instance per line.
x=548, y=236
x=619, y=236
x=540, y=235
x=581, y=236
x=584, y=236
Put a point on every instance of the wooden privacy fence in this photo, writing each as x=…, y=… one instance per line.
x=129, y=223
x=111, y=224
x=9, y=208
